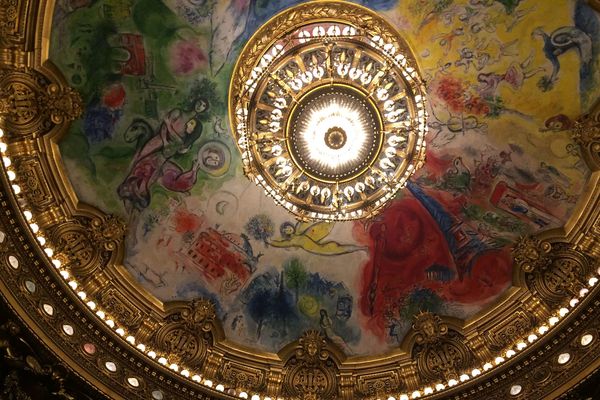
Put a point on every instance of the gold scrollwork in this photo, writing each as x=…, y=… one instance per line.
x=75, y=248
x=553, y=272
x=85, y=244
x=311, y=373
x=530, y=253
x=9, y=21
x=61, y=103
x=565, y=277
x=440, y=352
x=586, y=133
x=378, y=384
x=31, y=178
x=9, y=16
x=243, y=377
x=108, y=232
x=122, y=309
x=312, y=348
x=590, y=242
x=30, y=103
x=186, y=334
x=505, y=333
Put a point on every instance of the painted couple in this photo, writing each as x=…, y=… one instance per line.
x=154, y=162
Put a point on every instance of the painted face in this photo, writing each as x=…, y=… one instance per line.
x=190, y=126
x=288, y=230
x=200, y=106
x=212, y=159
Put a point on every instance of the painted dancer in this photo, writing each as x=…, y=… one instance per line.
x=154, y=160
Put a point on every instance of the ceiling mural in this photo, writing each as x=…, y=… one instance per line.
x=505, y=79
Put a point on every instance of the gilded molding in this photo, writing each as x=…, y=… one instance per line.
x=441, y=353
x=346, y=386
x=590, y=241
x=87, y=244
x=17, y=24
x=8, y=17
x=243, y=377
x=274, y=379
x=311, y=373
x=379, y=383
x=530, y=254
x=553, y=272
x=185, y=335
x=32, y=104
x=213, y=361
x=108, y=232
x=121, y=308
x=586, y=133
x=35, y=185
x=504, y=333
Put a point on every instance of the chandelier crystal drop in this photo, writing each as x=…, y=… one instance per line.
x=330, y=116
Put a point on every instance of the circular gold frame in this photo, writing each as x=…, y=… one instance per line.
x=347, y=58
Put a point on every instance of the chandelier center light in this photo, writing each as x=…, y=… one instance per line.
x=335, y=138
x=317, y=141
x=329, y=116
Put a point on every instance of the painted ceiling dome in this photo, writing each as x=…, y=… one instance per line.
x=161, y=156
x=313, y=200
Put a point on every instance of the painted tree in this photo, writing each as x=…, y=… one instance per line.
x=260, y=227
x=420, y=299
x=259, y=308
x=270, y=305
x=295, y=275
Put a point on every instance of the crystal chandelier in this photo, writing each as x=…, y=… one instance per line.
x=328, y=111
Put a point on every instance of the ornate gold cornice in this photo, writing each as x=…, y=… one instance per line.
x=16, y=31
x=554, y=273
x=36, y=106
x=586, y=134
x=31, y=103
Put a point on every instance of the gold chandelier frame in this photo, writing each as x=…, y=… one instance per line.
x=372, y=59
x=84, y=283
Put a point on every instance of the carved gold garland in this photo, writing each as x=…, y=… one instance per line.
x=68, y=258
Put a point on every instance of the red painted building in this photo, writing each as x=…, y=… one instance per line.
x=214, y=255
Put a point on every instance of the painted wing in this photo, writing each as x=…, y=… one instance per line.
x=315, y=231
x=567, y=37
x=228, y=21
